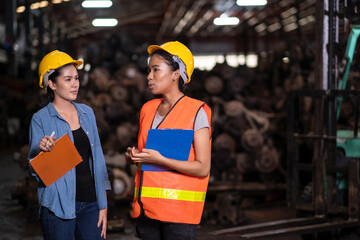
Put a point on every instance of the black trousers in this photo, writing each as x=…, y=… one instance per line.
x=150, y=229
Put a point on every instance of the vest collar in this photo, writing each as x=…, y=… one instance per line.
x=168, y=111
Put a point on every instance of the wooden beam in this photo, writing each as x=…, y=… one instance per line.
x=267, y=225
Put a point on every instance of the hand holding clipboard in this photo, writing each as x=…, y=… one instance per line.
x=171, y=143
x=50, y=166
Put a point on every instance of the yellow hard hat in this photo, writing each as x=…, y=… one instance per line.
x=53, y=61
x=181, y=51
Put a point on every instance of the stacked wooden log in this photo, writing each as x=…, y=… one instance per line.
x=25, y=190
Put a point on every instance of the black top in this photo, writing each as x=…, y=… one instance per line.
x=85, y=187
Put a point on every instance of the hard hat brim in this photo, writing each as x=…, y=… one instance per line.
x=152, y=48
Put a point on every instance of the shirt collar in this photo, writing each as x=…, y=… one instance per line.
x=80, y=109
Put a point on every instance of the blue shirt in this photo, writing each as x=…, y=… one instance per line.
x=59, y=197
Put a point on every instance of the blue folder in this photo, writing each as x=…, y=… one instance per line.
x=171, y=143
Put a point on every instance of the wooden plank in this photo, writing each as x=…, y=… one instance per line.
x=272, y=224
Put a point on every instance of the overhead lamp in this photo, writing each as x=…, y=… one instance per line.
x=20, y=9
x=285, y=59
x=96, y=4
x=87, y=67
x=35, y=5
x=104, y=22
x=43, y=4
x=252, y=60
x=251, y=2
x=225, y=20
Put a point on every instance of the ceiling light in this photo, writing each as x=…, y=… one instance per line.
x=251, y=2
x=241, y=59
x=35, y=5
x=96, y=4
x=104, y=22
x=20, y=9
x=219, y=21
x=224, y=20
x=251, y=60
x=231, y=59
x=87, y=67
x=56, y=1
x=43, y=4
x=286, y=60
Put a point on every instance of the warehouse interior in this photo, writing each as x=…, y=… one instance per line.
x=281, y=77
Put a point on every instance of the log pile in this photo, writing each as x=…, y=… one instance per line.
x=249, y=118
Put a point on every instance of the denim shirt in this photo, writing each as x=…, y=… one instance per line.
x=59, y=197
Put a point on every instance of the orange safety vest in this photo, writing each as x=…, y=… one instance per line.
x=170, y=196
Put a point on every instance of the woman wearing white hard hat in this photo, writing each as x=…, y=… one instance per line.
x=169, y=198
x=75, y=205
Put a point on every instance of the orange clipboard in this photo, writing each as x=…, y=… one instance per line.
x=50, y=166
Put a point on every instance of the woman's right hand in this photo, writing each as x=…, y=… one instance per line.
x=130, y=154
x=47, y=143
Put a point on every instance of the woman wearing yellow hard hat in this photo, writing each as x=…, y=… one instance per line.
x=170, y=191
x=75, y=205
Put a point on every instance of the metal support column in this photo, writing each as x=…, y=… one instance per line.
x=318, y=176
x=326, y=76
x=11, y=29
x=41, y=36
x=28, y=43
x=332, y=12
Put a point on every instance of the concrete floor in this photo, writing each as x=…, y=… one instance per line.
x=15, y=223
x=13, y=218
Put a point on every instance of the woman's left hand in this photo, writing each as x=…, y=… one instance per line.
x=103, y=222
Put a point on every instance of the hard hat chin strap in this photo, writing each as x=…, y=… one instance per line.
x=46, y=77
x=182, y=68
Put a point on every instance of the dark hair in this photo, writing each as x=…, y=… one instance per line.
x=52, y=77
x=172, y=64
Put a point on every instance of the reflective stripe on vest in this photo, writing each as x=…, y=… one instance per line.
x=173, y=194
